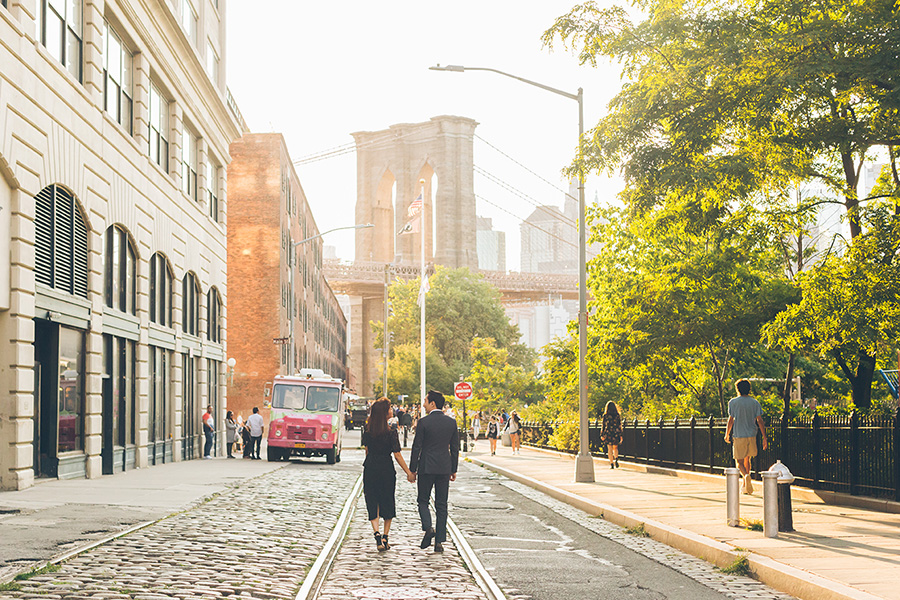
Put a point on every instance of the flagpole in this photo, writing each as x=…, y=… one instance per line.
x=421, y=288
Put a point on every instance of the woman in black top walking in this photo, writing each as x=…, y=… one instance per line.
x=611, y=432
x=379, y=477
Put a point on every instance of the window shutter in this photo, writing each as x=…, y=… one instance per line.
x=43, y=230
x=61, y=254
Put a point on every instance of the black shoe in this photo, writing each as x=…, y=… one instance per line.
x=426, y=541
x=438, y=547
x=379, y=542
x=617, y=463
x=384, y=539
x=612, y=465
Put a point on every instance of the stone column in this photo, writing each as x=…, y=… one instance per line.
x=176, y=129
x=141, y=116
x=93, y=50
x=142, y=357
x=93, y=364
x=202, y=184
x=17, y=326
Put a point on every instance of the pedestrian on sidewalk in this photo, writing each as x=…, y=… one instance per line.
x=433, y=462
x=493, y=432
x=381, y=441
x=257, y=426
x=208, y=430
x=476, y=428
x=744, y=417
x=611, y=433
x=246, y=440
x=230, y=433
x=513, y=428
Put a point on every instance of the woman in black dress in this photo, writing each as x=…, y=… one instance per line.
x=611, y=432
x=379, y=477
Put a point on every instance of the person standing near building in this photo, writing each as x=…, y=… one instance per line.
x=744, y=418
x=230, y=433
x=208, y=430
x=257, y=426
x=433, y=463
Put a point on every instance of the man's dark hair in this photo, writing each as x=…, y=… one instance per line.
x=437, y=398
x=743, y=387
x=255, y=410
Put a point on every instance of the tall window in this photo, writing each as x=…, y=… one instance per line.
x=189, y=21
x=189, y=164
x=190, y=298
x=212, y=185
x=159, y=427
x=159, y=128
x=71, y=390
x=117, y=68
x=213, y=317
x=161, y=279
x=120, y=272
x=212, y=64
x=61, y=32
x=60, y=252
x=120, y=362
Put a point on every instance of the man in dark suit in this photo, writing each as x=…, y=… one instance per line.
x=433, y=461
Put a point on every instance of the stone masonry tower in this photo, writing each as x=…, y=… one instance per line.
x=402, y=155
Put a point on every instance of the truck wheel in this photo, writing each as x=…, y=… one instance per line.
x=272, y=455
x=330, y=456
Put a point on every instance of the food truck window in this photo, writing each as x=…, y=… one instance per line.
x=323, y=398
x=289, y=396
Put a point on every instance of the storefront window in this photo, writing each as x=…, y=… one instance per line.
x=71, y=390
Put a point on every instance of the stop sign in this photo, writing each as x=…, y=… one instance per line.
x=462, y=390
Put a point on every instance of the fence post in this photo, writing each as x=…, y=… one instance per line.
x=659, y=453
x=783, y=442
x=691, y=438
x=817, y=448
x=647, y=442
x=854, y=453
x=675, y=461
x=897, y=456
x=712, y=458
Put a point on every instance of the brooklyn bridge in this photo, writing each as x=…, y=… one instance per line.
x=390, y=166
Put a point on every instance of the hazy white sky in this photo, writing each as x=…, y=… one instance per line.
x=317, y=71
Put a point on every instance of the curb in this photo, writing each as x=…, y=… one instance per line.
x=482, y=577
x=800, y=493
x=785, y=578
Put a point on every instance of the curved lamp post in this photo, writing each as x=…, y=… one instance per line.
x=584, y=465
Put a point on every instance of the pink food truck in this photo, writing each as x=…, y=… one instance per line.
x=307, y=416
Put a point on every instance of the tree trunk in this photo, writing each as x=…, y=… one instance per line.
x=788, y=385
x=862, y=382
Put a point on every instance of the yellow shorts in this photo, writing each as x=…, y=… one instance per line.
x=744, y=447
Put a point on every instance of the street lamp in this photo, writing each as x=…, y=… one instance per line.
x=584, y=465
x=291, y=270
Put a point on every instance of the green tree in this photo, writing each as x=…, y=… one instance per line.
x=403, y=373
x=730, y=102
x=495, y=382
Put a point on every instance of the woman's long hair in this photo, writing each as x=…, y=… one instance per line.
x=377, y=423
x=611, y=409
x=229, y=416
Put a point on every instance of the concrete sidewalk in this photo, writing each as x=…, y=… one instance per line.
x=836, y=552
x=55, y=517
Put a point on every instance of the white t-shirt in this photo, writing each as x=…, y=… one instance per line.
x=255, y=421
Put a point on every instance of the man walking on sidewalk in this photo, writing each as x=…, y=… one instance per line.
x=433, y=462
x=744, y=416
x=257, y=426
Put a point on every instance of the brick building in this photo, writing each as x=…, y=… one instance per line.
x=268, y=214
x=114, y=134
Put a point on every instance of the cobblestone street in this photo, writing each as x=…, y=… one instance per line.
x=360, y=571
x=256, y=541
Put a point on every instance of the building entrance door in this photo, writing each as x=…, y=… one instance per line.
x=46, y=402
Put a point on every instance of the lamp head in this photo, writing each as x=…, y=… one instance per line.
x=438, y=67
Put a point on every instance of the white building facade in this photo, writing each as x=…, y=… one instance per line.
x=114, y=134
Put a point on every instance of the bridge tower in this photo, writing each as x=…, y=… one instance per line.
x=390, y=164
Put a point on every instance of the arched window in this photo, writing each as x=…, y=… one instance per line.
x=161, y=280
x=213, y=316
x=120, y=274
x=61, y=250
x=190, y=305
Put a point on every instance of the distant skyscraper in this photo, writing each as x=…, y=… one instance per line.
x=491, y=246
x=550, y=237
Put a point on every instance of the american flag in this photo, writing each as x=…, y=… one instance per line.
x=415, y=206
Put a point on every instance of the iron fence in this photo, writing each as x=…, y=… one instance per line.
x=850, y=454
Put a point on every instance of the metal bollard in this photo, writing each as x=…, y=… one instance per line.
x=733, y=496
x=770, y=503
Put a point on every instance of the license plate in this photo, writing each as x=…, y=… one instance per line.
x=299, y=445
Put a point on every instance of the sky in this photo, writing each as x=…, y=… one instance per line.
x=318, y=71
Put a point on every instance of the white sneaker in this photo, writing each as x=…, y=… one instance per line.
x=748, y=484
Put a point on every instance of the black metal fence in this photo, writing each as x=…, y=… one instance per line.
x=850, y=454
